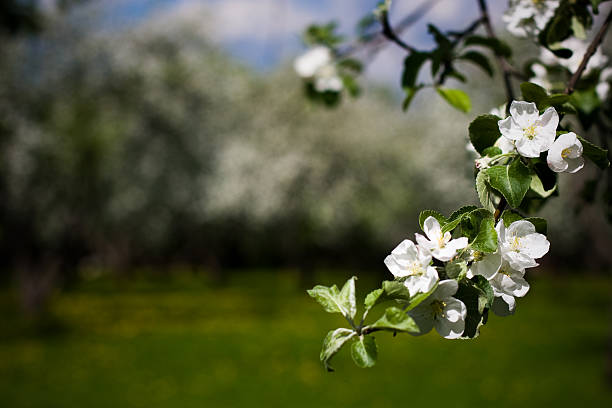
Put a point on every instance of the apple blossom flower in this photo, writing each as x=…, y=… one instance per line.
x=565, y=155
x=520, y=245
x=442, y=311
x=408, y=261
x=317, y=65
x=531, y=132
x=526, y=18
x=578, y=48
x=507, y=284
x=439, y=245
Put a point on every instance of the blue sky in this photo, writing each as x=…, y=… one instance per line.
x=266, y=33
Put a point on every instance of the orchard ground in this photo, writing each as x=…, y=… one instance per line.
x=255, y=341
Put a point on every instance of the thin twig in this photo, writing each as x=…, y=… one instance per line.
x=378, y=41
x=388, y=32
x=588, y=54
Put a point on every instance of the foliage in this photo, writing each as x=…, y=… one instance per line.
x=480, y=255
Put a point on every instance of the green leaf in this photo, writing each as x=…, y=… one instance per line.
x=351, y=85
x=456, y=217
x=418, y=298
x=533, y=93
x=462, y=211
x=431, y=213
x=347, y=297
x=537, y=186
x=511, y=181
x=396, y=320
x=492, y=151
x=335, y=301
x=412, y=66
x=479, y=59
x=578, y=28
x=556, y=100
x=351, y=64
x=595, y=153
x=497, y=46
x=456, y=98
x=485, y=194
x=585, y=100
x=540, y=224
x=477, y=295
x=456, y=269
x=333, y=342
x=486, y=295
x=484, y=132
x=364, y=351
x=410, y=93
x=486, y=239
x=372, y=299
x=509, y=217
x=396, y=290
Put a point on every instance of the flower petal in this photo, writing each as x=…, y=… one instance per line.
x=445, y=289
x=488, y=266
x=524, y=113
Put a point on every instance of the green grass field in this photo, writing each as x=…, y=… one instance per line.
x=255, y=342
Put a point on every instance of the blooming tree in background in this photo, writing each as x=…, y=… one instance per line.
x=474, y=260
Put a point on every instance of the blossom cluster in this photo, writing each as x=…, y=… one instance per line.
x=532, y=134
x=518, y=247
x=317, y=65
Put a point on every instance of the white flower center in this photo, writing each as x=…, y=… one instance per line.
x=530, y=132
x=438, y=306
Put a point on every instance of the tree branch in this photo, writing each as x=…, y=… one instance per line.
x=388, y=32
x=588, y=54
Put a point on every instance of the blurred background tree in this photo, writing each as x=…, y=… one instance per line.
x=148, y=146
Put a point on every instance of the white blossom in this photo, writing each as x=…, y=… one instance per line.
x=565, y=155
x=410, y=262
x=439, y=245
x=578, y=48
x=442, y=311
x=317, y=64
x=507, y=284
x=526, y=18
x=541, y=76
x=520, y=245
x=531, y=132
x=603, y=87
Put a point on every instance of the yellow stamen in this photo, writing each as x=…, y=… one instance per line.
x=530, y=132
x=516, y=244
x=416, y=269
x=438, y=308
x=566, y=152
x=478, y=256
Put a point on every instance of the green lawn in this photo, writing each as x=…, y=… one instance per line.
x=255, y=342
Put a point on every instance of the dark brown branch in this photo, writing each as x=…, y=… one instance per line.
x=388, y=32
x=506, y=69
x=588, y=54
x=469, y=30
x=377, y=41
